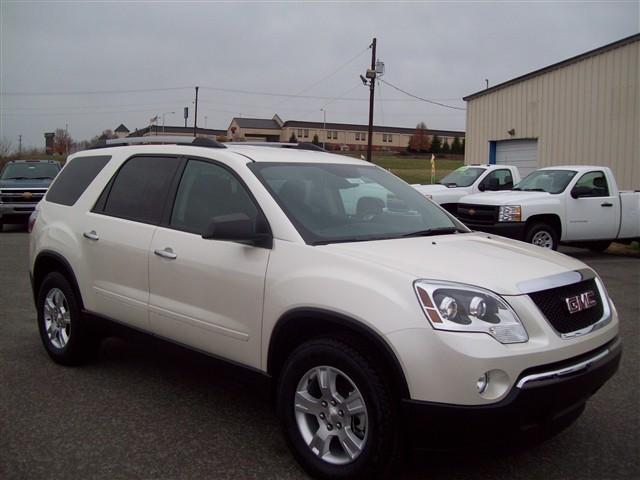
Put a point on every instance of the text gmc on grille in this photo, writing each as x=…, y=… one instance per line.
x=553, y=304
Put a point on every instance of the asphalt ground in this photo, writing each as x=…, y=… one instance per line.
x=143, y=410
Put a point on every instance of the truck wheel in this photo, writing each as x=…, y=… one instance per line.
x=337, y=413
x=66, y=337
x=542, y=235
x=600, y=246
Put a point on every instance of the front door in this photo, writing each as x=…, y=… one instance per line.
x=205, y=293
x=596, y=216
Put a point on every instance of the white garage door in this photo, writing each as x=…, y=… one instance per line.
x=520, y=153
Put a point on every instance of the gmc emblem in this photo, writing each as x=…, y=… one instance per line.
x=581, y=302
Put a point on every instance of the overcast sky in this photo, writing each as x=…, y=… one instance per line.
x=439, y=51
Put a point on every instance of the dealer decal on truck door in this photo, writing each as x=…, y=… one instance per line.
x=581, y=302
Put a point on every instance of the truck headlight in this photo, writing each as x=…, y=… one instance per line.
x=464, y=308
x=510, y=213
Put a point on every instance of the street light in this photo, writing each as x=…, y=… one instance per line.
x=205, y=121
x=165, y=113
x=324, y=126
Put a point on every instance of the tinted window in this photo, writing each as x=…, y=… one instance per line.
x=140, y=189
x=207, y=190
x=596, y=181
x=498, y=180
x=74, y=179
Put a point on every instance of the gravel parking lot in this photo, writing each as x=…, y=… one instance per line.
x=144, y=410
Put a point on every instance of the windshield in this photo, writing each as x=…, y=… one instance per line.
x=462, y=177
x=29, y=170
x=550, y=181
x=346, y=203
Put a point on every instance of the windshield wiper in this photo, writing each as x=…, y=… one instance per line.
x=41, y=178
x=435, y=231
x=15, y=178
x=534, y=190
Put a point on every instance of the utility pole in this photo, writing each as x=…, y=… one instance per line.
x=371, y=75
x=324, y=126
x=195, y=116
x=19, y=145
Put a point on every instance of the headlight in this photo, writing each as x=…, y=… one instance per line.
x=510, y=213
x=464, y=308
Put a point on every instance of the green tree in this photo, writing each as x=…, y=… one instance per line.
x=462, y=146
x=456, y=146
x=316, y=140
x=292, y=138
x=445, y=148
x=419, y=141
x=435, y=144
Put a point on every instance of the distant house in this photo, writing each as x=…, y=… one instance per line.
x=121, y=131
x=335, y=136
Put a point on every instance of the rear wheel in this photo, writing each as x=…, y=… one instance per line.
x=63, y=331
x=542, y=235
x=337, y=414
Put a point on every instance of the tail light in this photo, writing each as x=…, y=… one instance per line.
x=32, y=220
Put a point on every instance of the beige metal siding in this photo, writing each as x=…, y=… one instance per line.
x=584, y=113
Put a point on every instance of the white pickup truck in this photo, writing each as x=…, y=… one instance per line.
x=467, y=180
x=578, y=205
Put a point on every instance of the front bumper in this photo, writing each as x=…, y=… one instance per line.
x=515, y=230
x=546, y=398
x=16, y=212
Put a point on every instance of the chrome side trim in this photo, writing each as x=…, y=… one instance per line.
x=555, y=281
x=561, y=372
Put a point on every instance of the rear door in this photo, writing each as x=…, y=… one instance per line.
x=206, y=293
x=117, y=234
x=596, y=216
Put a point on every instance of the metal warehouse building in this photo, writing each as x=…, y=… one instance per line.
x=582, y=111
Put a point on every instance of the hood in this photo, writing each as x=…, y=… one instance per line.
x=494, y=263
x=26, y=183
x=505, y=197
x=431, y=188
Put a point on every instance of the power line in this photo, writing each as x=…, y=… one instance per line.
x=92, y=92
x=420, y=98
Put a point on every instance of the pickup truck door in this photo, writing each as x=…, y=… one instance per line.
x=206, y=293
x=596, y=215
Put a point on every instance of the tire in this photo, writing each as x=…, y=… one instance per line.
x=542, y=235
x=64, y=333
x=370, y=433
x=600, y=246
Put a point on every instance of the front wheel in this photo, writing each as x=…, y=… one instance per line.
x=542, y=235
x=337, y=414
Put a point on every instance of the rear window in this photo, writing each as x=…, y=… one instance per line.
x=74, y=179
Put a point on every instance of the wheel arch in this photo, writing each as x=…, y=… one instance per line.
x=550, y=219
x=49, y=261
x=302, y=324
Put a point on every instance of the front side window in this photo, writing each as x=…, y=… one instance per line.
x=596, y=182
x=140, y=189
x=550, y=181
x=499, y=180
x=206, y=191
x=462, y=177
x=345, y=203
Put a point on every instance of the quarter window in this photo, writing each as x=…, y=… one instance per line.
x=74, y=179
x=206, y=191
x=140, y=189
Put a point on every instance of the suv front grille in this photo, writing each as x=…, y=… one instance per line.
x=477, y=214
x=553, y=304
x=25, y=195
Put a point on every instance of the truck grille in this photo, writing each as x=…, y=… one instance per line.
x=22, y=195
x=553, y=304
x=477, y=214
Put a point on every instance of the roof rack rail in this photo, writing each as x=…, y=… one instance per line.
x=297, y=146
x=155, y=139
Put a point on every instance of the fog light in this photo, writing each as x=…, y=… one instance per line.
x=482, y=382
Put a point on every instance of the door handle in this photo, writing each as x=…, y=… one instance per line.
x=92, y=235
x=607, y=204
x=166, y=253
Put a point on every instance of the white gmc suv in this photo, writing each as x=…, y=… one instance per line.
x=377, y=324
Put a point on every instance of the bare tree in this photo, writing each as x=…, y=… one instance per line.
x=419, y=141
x=62, y=142
x=5, y=147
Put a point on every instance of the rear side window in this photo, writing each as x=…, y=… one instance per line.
x=74, y=179
x=140, y=188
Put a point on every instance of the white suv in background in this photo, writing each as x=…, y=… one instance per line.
x=382, y=323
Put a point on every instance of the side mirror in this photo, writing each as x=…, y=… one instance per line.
x=482, y=187
x=581, y=191
x=236, y=227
